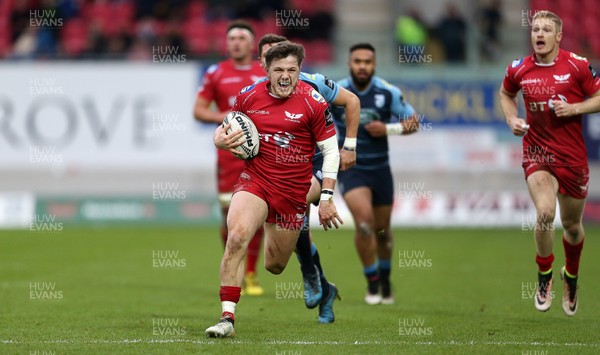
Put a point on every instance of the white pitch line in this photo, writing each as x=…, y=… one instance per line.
x=304, y=342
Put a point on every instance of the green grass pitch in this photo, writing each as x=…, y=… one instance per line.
x=155, y=290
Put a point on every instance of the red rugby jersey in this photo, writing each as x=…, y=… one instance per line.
x=289, y=128
x=552, y=140
x=222, y=82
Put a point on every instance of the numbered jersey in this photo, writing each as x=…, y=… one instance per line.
x=289, y=129
x=552, y=140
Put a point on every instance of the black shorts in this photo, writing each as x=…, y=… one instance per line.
x=380, y=181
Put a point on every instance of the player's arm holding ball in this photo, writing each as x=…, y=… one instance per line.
x=228, y=142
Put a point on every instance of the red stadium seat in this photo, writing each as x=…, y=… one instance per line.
x=321, y=52
x=590, y=8
x=6, y=8
x=219, y=33
x=100, y=13
x=591, y=26
x=567, y=8
x=305, y=6
x=74, y=37
x=571, y=25
x=5, y=37
x=197, y=34
x=123, y=16
x=595, y=45
x=195, y=10
x=571, y=42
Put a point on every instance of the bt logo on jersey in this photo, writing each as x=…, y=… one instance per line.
x=541, y=106
x=282, y=139
x=538, y=106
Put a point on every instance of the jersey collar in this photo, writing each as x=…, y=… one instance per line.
x=241, y=67
x=560, y=51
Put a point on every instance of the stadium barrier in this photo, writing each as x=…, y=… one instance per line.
x=127, y=128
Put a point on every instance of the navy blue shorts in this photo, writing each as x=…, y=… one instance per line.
x=317, y=165
x=379, y=181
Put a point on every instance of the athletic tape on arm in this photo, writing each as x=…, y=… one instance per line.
x=331, y=157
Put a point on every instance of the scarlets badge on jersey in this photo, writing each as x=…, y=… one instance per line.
x=249, y=87
x=517, y=62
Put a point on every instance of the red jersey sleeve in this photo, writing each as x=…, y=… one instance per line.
x=207, y=90
x=588, y=79
x=510, y=82
x=321, y=121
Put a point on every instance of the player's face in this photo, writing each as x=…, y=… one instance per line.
x=239, y=46
x=362, y=66
x=283, y=75
x=544, y=36
x=265, y=48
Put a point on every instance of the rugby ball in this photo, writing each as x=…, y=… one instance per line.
x=239, y=121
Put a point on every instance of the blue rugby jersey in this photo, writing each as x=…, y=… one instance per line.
x=380, y=101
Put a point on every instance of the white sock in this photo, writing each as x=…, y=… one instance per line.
x=228, y=306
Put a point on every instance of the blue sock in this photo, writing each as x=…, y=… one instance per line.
x=304, y=251
x=384, y=273
x=385, y=269
x=317, y=261
x=372, y=275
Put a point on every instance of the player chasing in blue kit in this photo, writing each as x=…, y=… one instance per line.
x=317, y=290
x=368, y=187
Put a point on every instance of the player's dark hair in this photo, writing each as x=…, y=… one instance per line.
x=363, y=45
x=270, y=38
x=241, y=24
x=284, y=50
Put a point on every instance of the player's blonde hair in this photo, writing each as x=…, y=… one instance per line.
x=551, y=16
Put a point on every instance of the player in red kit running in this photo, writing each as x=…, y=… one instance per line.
x=222, y=82
x=291, y=118
x=557, y=87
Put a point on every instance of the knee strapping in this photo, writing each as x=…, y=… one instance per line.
x=364, y=229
